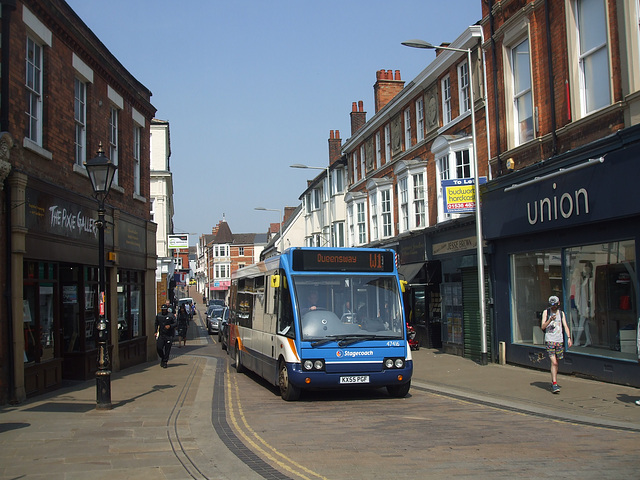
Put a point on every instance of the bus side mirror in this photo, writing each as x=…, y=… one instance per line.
x=275, y=281
x=403, y=285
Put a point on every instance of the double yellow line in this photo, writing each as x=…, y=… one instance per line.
x=255, y=441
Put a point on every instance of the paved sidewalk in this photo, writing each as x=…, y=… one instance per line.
x=524, y=389
x=161, y=422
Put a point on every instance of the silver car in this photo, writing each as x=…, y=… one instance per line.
x=215, y=314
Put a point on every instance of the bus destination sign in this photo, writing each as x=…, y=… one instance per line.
x=343, y=261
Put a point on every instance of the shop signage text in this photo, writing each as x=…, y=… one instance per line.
x=565, y=206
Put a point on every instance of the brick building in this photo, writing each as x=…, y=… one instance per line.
x=63, y=96
x=563, y=84
x=419, y=136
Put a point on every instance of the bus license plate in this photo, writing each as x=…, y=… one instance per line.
x=355, y=379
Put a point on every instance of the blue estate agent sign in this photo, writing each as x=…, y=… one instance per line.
x=459, y=195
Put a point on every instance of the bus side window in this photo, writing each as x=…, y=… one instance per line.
x=285, y=311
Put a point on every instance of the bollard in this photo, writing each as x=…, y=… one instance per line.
x=502, y=350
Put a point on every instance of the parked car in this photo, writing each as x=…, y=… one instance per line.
x=215, y=316
x=216, y=301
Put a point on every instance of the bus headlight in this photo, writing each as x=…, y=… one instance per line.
x=313, y=365
x=390, y=363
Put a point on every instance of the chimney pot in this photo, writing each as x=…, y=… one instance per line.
x=354, y=107
x=397, y=77
x=360, y=106
x=338, y=134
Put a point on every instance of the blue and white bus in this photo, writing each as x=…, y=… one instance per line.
x=321, y=318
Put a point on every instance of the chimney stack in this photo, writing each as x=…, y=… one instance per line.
x=358, y=117
x=386, y=87
x=335, y=146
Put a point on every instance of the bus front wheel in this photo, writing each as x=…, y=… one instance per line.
x=288, y=391
x=399, y=391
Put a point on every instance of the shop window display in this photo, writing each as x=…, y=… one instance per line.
x=597, y=287
x=38, y=312
x=130, y=311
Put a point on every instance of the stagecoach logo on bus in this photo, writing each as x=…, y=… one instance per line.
x=354, y=353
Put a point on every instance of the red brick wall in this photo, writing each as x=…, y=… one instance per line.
x=58, y=110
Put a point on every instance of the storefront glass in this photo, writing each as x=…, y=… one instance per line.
x=38, y=312
x=130, y=312
x=597, y=287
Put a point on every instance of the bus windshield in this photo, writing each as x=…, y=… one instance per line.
x=348, y=307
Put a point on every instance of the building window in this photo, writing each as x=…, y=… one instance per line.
x=363, y=164
x=387, y=143
x=403, y=193
x=463, y=164
x=80, y=116
x=446, y=99
x=378, y=150
x=522, y=95
x=418, y=200
x=407, y=129
x=593, y=57
x=442, y=167
x=315, y=199
x=420, y=119
x=137, y=134
x=338, y=239
x=113, y=140
x=34, y=91
x=463, y=87
x=373, y=198
x=361, y=220
x=338, y=180
x=354, y=162
x=241, y=251
x=385, y=202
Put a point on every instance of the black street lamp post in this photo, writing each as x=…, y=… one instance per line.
x=101, y=172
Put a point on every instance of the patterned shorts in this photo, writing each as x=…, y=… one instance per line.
x=555, y=349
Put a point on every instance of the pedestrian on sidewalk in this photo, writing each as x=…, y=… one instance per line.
x=554, y=322
x=165, y=326
x=183, y=325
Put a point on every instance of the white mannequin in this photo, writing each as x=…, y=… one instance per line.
x=584, y=304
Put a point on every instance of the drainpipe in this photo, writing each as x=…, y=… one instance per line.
x=552, y=101
x=8, y=6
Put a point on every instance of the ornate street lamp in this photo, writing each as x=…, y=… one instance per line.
x=101, y=172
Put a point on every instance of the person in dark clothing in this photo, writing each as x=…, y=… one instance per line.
x=183, y=325
x=165, y=326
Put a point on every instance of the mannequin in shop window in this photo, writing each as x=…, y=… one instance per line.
x=582, y=304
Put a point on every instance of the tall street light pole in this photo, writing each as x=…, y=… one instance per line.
x=101, y=172
x=479, y=246
x=262, y=209
x=326, y=169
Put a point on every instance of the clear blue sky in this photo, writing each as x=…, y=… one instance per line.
x=252, y=86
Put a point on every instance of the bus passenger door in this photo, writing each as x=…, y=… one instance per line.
x=270, y=318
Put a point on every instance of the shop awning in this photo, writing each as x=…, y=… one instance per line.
x=409, y=271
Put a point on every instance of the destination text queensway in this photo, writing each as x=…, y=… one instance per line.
x=337, y=258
